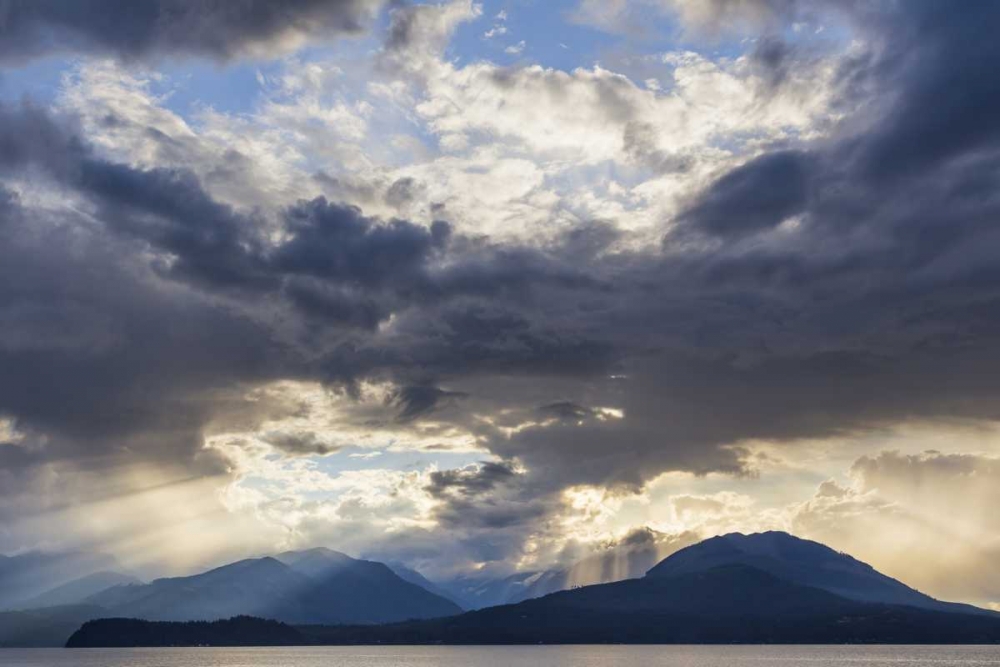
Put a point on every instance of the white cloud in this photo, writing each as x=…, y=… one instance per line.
x=515, y=49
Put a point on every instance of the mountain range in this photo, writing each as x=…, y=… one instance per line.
x=726, y=604
x=32, y=579
x=761, y=587
x=317, y=586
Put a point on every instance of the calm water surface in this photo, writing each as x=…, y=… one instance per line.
x=516, y=656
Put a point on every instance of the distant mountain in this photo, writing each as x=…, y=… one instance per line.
x=318, y=562
x=762, y=588
x=802, y=562
x=31, y=574
x=481, y=592
x=409, y=574
x=317, y=586
x=769, y=587
x=361, y=591
x=258, y=586
x=726, y=604
x=478, y=592
x=314, y=586
x=628, y=559
x=78, y=590
x=43, y=628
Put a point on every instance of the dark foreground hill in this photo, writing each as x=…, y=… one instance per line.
x=238, y=631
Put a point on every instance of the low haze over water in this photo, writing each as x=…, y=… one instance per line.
x=507, y=656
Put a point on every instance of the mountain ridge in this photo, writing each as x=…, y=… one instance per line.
x=731, y=588
x=727, y=604
x=77, y=590
x=734, y=604
x=33, y=573
x=802, y=561
x=311, y=586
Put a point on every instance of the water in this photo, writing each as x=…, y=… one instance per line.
x=512, y=656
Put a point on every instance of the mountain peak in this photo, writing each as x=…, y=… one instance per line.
x=315, y=554
x=240, y=568
x=800, y=561
x=732, y=548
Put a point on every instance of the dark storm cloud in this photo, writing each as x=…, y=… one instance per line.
x=758, y=195
x=495, y=505
x=566, y=410
x=335, y=305
x=138, y=29
x=471, y=481
x=417, y=400
x=773, y=59
x=105, y=363
x=127, y=331
x=337, y=242
x=100, y=361
x=168, y=209
x=300, y=444
x=927, y=65
x=208, y=244
x=880, y=306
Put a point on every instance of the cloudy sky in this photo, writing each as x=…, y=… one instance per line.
x=497, y=285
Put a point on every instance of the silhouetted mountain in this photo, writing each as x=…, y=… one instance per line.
x=238, y=631
x=78, y=590
x=315, y=586
x=258, y=586
x=802, y=562
x=350, y=590
x=305, y=587
x=318, y=561
x=31, y=574
x=727, y=604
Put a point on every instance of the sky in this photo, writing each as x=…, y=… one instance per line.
x=496, y=286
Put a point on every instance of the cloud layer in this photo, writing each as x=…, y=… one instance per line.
x=31, y=29
x=504, y=289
